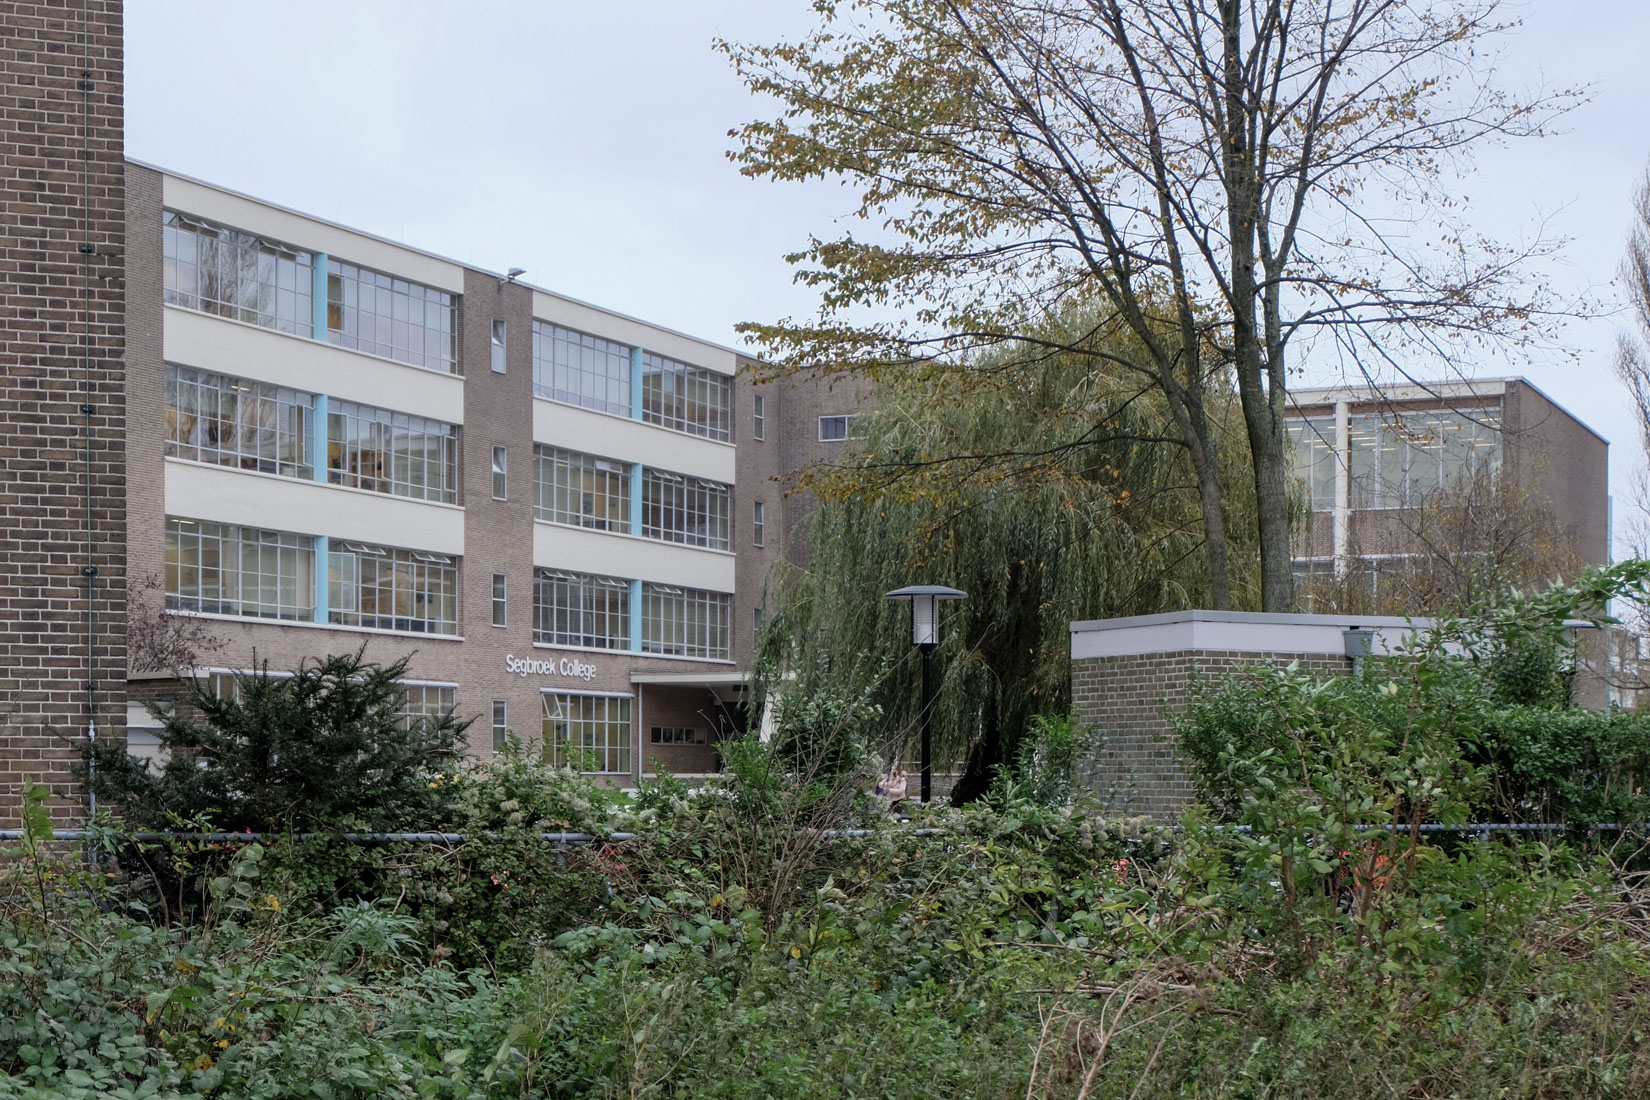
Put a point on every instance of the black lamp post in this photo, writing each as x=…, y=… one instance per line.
x=925, y=634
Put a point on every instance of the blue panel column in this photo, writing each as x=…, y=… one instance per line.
x=318, y=438
x=323, y=578
x=636, y=616
x=635, y=383
x=318, y=296
x=636, y=498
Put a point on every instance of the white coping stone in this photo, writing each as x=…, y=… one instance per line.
x=1234, y=632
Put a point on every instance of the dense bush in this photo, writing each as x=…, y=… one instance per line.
x=325, y=747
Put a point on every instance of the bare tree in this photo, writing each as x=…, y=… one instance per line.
x=1463, y=544
x=158, y=640
x=1229, y=182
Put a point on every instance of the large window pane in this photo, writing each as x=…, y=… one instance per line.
x=225, y=570
x=590, y=732
x=581, y=369
x=391, y=452
x=687, y=399
x=581, y=489
x=388, y=588
x=578, y=609
x=397, y=319
x=233, y=422
x=678, y=508
x=228, y=273
x=685, y=622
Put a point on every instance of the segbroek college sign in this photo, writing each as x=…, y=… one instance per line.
x=566, y=666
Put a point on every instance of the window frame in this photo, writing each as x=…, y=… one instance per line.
x=259, y=411
x=501, y=602
x=759, y=417
x=567, y=365
x=421, y=589
x=378, y=450
x=278, y=560
x=847, y=427
x=610, y=735
x=602, y=488
x=499, y=346
x=581, y=610
x=501, y=472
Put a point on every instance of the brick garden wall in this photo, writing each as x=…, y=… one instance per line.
x=62, y=269
x=1130, y=699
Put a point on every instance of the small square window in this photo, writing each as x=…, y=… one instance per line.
x=759, y=515
x=834, y=429
x=501, y=725
x=759, y=417
x=498, y=346
x=499, y=602
x=501, y=474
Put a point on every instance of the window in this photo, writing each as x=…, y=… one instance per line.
x=588, y=732
x=498, y=346
x=231, y=422
x=387, y=588
x=686, y=399
x=1398, y=462
x=499, y=608
x=758, y=616
x=678, y=508
x=423, y=706
x=1313, y=445
x=758, y=524
x=578, y=609
x=501, y=473
x=501, y=725
x=391, y=452
x=569, y=487
x=580, y=369
x=224, y=570
x=231, y=274
x=382, y=315
x=834, y=429
x=679, y=735
x=759, y=417
x=685, y=622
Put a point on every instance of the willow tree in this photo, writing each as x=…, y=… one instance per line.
x=1048, y=492
x=1254, y=178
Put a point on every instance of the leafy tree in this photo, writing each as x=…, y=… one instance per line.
x=1257, y=178
x=1056, y=499
x=325, y=748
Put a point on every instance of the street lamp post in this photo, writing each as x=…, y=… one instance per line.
x=925, y=630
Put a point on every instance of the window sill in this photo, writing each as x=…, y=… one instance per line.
x=253, y=620
x=288, y=480
x=636, y=653
x=645, y=539
x=310, y=339
x=634, y=420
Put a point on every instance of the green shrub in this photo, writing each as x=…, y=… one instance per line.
x=327, y=747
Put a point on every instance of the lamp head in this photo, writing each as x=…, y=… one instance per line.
x=925, y=609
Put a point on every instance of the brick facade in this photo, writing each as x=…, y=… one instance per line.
x=1131, y=697
x=62, y=471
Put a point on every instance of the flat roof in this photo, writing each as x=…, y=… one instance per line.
x=1451, y=389
x=435, y=256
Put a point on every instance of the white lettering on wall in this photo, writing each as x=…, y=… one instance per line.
x=566, y=666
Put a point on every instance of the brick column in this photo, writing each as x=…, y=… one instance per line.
x=62, y=391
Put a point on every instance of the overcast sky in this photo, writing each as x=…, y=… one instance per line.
x=586, y=143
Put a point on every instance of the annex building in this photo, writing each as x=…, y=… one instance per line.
x=1369, y=459
x=311, y=439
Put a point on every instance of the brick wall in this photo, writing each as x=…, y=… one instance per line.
x=1130, y=699
x=61, y=345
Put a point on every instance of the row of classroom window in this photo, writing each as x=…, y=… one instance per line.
x=230, y=273
x=220, y=569
x=1394, y=462
x=589, y=731
x=226, y=421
